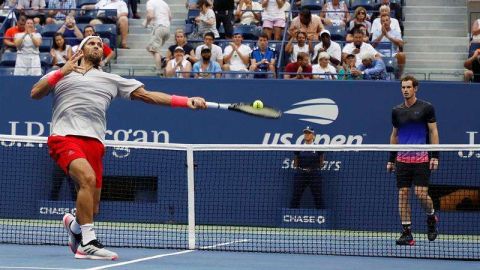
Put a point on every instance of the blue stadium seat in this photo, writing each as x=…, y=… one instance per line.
x=390, y=63
x=249, y=32
x=189, y=28
x=45, y=59
x=46, y=44
x=85, y=16
x=312, y=4
x=367, y=4
x=8, y=59
x=385, y=48
x=6, y=71
x=473, y=47
x=49, y=30
x=192, y=13
x=337, y=33
x=81, y=3
x=107, y=31
x=81, y=26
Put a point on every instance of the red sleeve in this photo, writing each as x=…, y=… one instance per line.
x=106, y=50
x=291, y=68
x=9, y=34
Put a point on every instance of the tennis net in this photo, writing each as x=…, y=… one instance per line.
x=241, y=198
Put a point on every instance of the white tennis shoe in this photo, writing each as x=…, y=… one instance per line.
x=94, y=250
x=73, y=239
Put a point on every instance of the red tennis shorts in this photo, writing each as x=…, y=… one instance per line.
x=65, y=149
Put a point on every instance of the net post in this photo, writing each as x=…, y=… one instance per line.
x=191, y=198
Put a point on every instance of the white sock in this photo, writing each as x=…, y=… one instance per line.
x=88, y=234
x=75, y=227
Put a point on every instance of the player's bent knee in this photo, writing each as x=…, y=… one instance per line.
x=87, y=180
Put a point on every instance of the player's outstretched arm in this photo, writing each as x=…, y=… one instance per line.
x=160, y=98
x=47, y=83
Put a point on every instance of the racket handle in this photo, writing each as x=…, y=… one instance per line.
x=215, y=105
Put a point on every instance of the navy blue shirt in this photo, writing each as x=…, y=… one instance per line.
x=269, y=54
x=308, y=159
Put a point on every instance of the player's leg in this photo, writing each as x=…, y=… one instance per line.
x=316, y=188
x=299, y=185
x=404, y=182
x=421, y=182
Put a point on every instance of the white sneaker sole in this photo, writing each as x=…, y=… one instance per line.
x=93, y=257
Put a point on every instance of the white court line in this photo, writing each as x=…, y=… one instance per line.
x=166, y=255
x=37, y=268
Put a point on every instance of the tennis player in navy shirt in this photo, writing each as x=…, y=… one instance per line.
x=414, y=122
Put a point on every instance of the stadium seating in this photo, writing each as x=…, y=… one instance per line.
x=45, y=59
x=46, y=44
x=367, y=4
x=81, y=3
x=108, y=31
x=385, y=48
x=49, y=30
x=248, y=32
x=390, y=64
x=85, y=16
x=8, y=59
x=6, y=71
x=312, y=4
x=337, y=33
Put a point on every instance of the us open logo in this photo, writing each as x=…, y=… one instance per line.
x=321, y=111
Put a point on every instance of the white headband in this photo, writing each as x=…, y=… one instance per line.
x=85, y=40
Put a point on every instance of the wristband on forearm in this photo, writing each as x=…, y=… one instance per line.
x=179, y=101
x=393, y=157
x=54, y=78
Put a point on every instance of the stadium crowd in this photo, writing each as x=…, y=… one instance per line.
x=246, y=38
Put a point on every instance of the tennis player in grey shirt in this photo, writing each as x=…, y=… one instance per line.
x=82, y=94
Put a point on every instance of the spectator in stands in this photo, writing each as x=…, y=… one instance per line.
x=121, y=18
x=8, y=38
x=60, y=51
x=371, y=68
x=300, y=46
x=476, y=31
x=327, y=45
x=236, y=56
x=191, y=4
x=360, y=17
x=301, y=67
x=216, y=51
x=335, y=13
x=181, y=41
x=473, y=66
x=28, y=55
x=248, y=12
x=359, y=48
x=205, y=67
x=345, y=72
x=224, y=15
x=33, y=9
x=323, y=70
x=396, y=8
x=206, y=21
x=133, y=6
x=179, y=66
x=159, y=16
x=273, y=18
x=263, y=58
x=366, y=34
x=308, y=23
x=377, y=24
x=394, y=39
x=70, y=31
x=59, y=9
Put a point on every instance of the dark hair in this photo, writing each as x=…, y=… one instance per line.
x=263, y=35
x=412, y=79
x=302, y=56
x=306, y=13
x=357, y=29
x=301, y=33
x=88, y=26
x=55, y=46
x=209, y=34
x=201, y=3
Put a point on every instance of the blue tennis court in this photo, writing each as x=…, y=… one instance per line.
x=59, y=257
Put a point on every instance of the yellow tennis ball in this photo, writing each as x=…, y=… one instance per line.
x=257, y=104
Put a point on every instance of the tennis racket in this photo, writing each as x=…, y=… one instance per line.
x=266, y=112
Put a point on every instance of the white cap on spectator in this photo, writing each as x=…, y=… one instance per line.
x=323, y=55
x=179, y=48
x=368, y=56
x=325, y=31
x=85, y=40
